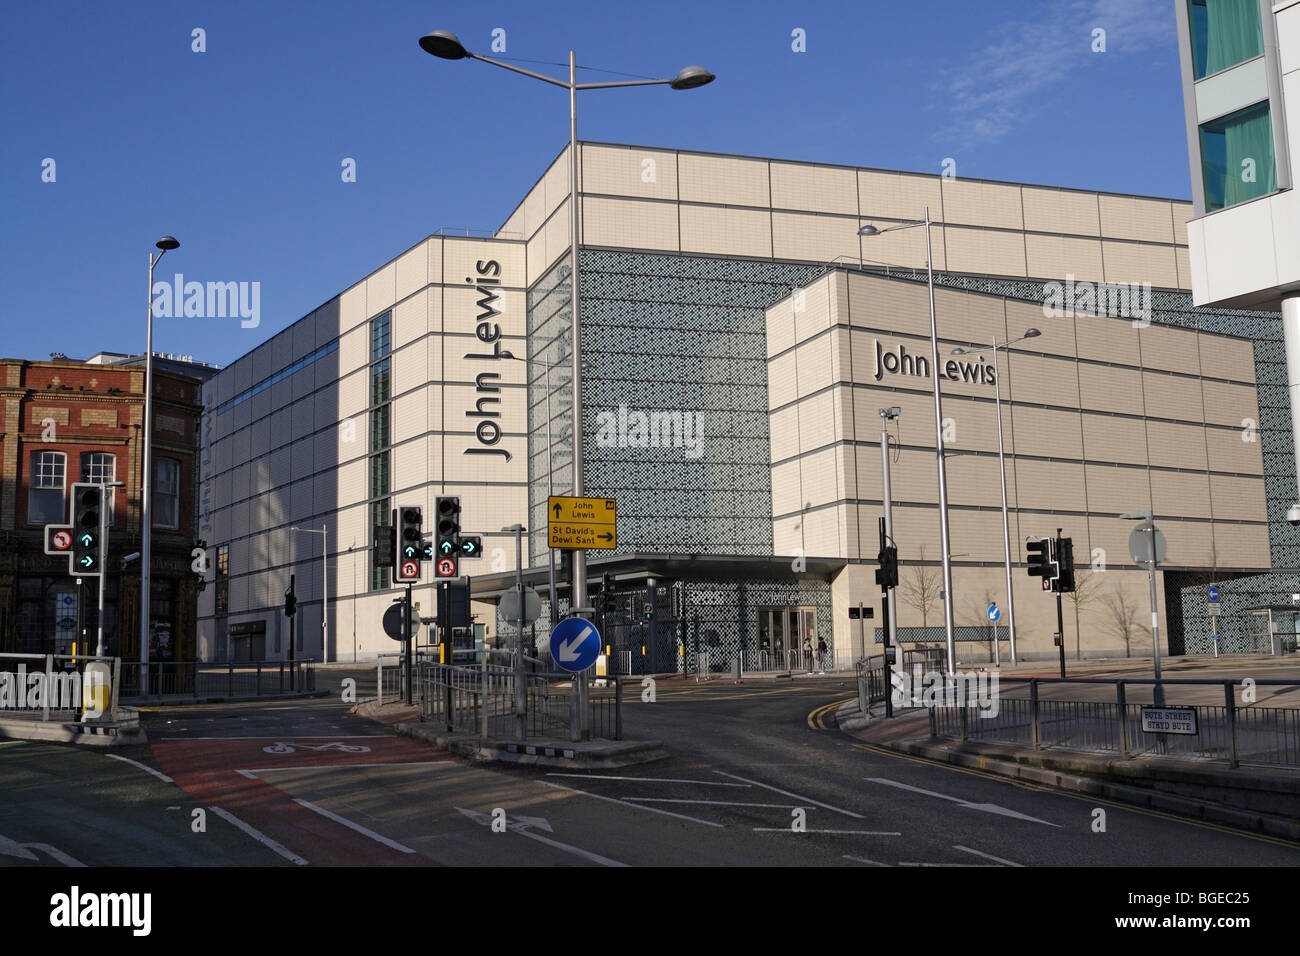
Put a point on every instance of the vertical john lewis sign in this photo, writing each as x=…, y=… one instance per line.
x=487, y=389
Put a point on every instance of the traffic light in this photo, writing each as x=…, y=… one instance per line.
x=87, y=509
x=410, y=547
x=290, y=601
x=887, y=573
x=1042, y=562
x=649, y=611
x=447, y=537
x=385, y=547
x=1065, y=565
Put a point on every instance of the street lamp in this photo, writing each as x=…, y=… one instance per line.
x=324, y=589
x=550, y=475
x=447, y=46
x=1002, y=467
x=870, y=230
x=164, y=245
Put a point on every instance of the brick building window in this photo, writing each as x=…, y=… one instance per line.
x=100, y=468
x=45, y=498
x=167, y=493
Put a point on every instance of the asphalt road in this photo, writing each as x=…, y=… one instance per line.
x=760, y=776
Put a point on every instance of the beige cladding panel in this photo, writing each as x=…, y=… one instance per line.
x=985, y=251
x=1128, y=217
x=1236, y=406
x=1057, y=332
x=1104, y=339
x=825, y=532
x=971, y=478
x=381, y=291
x=914, y=477
x=780, y=327
x=820, y=481
x=1182, y=212
x=1110, y=389
x=615, y=171
x=555, y=185
x=629, y=224
x=811, y=308
x=814, y=238
x=974, y=425
x=972, y=202
x=1241, y=545
x=884, y=304
x=1060, y=211
x=1141, y=263
x=721, y=231
x=1055, y=257
x=781, y=387
x=1172, y=396
x=1042, y=431
x=1042, y=381
x=915, y=425
x=1237, y=450
x=1230, y=358
x=1180, y=493
x=787, y=490
x=897, y=195
x=1117, y=489
x=784, y=428
x=976, y=535
x=472, y=258
x=1044, y=484
x=729, y=180
x=972, y=320
x=817, y=421
x=815, y=188
x=814, y=365
x=1238, y=499
x=1176, y=446
x=410, y=320
x=1169, y=348
x=409, y=461
x=1183, y=261
x=352, y=312
x=1111, y=536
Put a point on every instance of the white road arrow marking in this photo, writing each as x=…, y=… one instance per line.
x=984, y=807
x=520, y=826
x=10, y=848
x=568, y=654
x=23, y=851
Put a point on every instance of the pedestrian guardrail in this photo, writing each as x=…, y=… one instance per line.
x=54, y=686
x=1105, y=715
x=233, y=679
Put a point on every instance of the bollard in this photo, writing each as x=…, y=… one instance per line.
x=1122, y=704
x=1230, y=700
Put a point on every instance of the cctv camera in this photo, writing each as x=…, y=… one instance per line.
x=1293, y=516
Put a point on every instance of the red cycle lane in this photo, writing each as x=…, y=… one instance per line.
x=208, y=770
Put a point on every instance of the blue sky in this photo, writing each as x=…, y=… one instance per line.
x=237, y=151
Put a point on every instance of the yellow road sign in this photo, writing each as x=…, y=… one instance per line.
x=582, y=523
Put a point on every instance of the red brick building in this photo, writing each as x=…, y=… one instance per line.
x=66, y=421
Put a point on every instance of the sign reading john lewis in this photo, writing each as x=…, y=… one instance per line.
x=487, y=431
x=900, y=361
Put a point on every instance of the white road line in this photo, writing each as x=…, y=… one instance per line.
x=6, y=743
x=247, y=773
x=964, y=865
x=296, y=737
x=577, y=851
x=714, y=803
x=135, y=763
x=253, y=771
x=703, y=783
x=378, y=838
x=801, y=832
x=258, y=835
x=634, y=806
x=863, y=859
x=55, y=853
x=984, y=807
x=987, y=856
x=794, y=796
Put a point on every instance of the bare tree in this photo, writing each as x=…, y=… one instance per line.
x=1121, y=615
x=1086, y=590
x=920, y=588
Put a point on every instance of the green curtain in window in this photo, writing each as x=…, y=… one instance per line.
x=1251, y=138
x=1233, y=33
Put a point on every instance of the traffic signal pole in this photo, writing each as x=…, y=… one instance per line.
x=99, y=585
x=886, y=617
x=1060, y=616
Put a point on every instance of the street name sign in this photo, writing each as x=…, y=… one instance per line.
x=575, y=644
x=1169, y=720
x=582, y=523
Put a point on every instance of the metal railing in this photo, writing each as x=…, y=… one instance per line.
x=873, y=681
x=480, y=699
x=61, y=682
x=1047, y=714
x=232, y=679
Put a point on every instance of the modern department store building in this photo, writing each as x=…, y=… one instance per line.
x=739, y=339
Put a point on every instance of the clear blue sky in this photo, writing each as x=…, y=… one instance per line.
x=236, y=151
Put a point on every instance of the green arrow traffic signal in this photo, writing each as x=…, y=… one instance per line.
x=87, y=539
x=446, y=547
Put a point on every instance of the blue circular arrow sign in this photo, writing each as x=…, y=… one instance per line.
x=1214, y=593
x=995, y=613
x=575, y=644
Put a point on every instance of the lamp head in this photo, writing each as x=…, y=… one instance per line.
x=167, y=243
x=444, y=44
x=689, y=78
x=959, y=351
x=868, y=230
x=1031, y=333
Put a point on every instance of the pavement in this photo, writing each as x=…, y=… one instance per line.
x=1264, y=800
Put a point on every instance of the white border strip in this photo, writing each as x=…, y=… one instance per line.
x=634, y=806
x=393, y=844
x=258, y=835
x=135, y=763
x=795, y=796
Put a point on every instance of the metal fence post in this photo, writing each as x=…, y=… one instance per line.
x=258, y=687
x=49, y=684
x=230, y=679
x=1033, y=711
x=117, y=679
x=934, y=722
x=1230, y=701
x=1122, y=704
x=961, y=707
x=618, y=708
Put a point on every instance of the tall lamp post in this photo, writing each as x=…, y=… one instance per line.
x=324, y=589
x=165, y=244
x=446, y=45
x=550, y=476
x=944, y=543
x=1002, y=467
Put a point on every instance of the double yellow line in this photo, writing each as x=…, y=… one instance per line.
x=817, y=717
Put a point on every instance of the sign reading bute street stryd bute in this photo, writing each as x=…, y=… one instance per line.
x=582, y=522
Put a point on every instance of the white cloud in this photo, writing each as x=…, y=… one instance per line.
x=994, y=90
